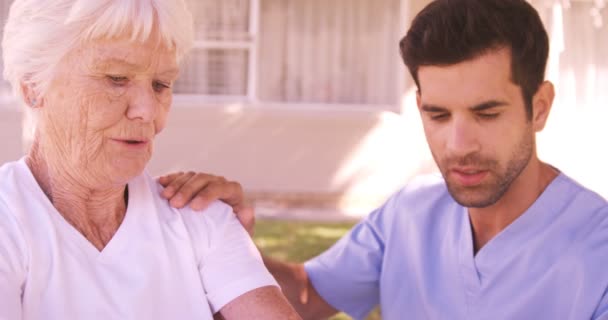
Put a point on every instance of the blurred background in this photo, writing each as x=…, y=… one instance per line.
x=307, y=104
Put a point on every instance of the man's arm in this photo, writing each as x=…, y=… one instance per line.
x=298, y=289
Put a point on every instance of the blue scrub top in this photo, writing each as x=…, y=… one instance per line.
x=414, y=257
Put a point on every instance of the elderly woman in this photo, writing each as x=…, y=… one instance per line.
x=84, y=233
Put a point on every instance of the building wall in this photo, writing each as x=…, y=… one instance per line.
x=10, y=134
x=322, y=157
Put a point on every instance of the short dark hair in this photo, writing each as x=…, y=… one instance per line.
x=447, y=32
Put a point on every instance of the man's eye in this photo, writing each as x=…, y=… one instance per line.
x=440, y=116
x=488, y=115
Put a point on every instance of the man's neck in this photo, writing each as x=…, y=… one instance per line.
x=487, y=222
x=95, y=212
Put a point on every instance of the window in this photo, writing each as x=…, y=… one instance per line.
x=330, y=51
x=306, y=51
x=221, y=63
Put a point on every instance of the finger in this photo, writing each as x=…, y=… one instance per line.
x=219, y=189
x=304, y=284
x=213, y=191
x=196, y=185
x=232, y=194
x=167, y=179
x=170, y=191
x=201, y=201
x=304, y=295
x=246, y=216
x=172, y=187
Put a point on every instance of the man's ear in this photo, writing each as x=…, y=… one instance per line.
x=30, y=96
x=542, y=102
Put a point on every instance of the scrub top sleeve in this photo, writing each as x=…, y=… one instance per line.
x=347, y=274
x=601, y=313
x=12, y=266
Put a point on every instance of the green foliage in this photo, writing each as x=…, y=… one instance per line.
x=298, y=241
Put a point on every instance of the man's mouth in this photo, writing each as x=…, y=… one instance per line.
x=468, y=176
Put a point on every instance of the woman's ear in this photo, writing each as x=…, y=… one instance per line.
x=30, y=96
x=541, y=105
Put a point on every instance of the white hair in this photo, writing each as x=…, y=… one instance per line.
x=39, y=33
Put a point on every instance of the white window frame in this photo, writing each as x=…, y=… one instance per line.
x=251, y=46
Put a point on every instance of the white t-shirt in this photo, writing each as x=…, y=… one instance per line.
x=162, y=263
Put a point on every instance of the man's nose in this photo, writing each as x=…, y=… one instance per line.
x=463, y=138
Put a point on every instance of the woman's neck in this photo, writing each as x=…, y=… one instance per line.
x=95, y=212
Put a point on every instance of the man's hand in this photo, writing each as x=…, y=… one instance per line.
x=201, y=189
x=298, y=289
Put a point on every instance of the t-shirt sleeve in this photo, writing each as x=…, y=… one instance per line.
x=12, y=266
x=347, y=275
x=229, y=262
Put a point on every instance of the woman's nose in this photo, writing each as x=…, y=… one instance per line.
x=143, y=104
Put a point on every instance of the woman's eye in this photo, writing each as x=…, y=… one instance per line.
x=118, y=80
x=161, y=86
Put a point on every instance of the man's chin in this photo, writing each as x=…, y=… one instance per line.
x=476, y=197
x=478, y=204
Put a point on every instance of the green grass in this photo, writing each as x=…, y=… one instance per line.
x=297, y=241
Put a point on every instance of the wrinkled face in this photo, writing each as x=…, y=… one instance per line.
x=475, y=123
x=104, y=107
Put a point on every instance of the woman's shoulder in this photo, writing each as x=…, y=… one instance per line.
x=214, y=217
x=216, y=214
x=12, y=176
x=12, y=240
x=18, y=189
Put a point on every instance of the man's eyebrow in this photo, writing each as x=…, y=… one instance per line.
x=480, y=107
x=488, y=105
x=433, y=108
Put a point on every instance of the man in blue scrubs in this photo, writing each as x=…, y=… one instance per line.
x=501, y=235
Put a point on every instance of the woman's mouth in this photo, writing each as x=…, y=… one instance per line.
x=132, y=143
